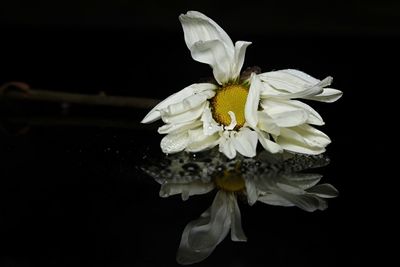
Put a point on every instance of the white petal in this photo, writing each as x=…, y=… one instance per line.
x=233, y=123
x=267, y=144
x=294, y=84
x=207, y=143
x=245, y=142
x=268, y=90
x=303, y=139
x=189, y=189
x=201, y=236
x=329, y=95
x=302, y=75
x=178, y=127
x=284, y=115
x=188, y=103
x=291, y=81
x=210, y=126
x=155, y=114
x=214, y=54
x=324, y=190
x=198, y=141
x=198, y=27
x=189, y=115
x=226, y=147
x=173, y=143
x=291, y=145
x=237, y=233
x=289, y=118
x=252, y=102
x=267, y=124
x=312, y=136
x=240, y=51
x=209, y=43
x=312, y=116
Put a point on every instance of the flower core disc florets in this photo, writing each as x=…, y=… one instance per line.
x=230, y=181
x=230, y=98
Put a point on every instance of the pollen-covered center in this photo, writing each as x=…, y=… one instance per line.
x=230, y=98
x=230, y=181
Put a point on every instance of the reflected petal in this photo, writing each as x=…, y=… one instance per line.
x=201, y=236
x=324, y=190
x=186, y=189
x=237, y=233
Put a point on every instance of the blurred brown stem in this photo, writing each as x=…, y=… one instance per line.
x=21, y=91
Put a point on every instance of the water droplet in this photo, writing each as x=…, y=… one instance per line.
x=190, y=167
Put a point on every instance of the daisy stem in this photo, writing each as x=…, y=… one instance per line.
x=21, y=91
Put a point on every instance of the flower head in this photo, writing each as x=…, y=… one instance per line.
x=236, y=112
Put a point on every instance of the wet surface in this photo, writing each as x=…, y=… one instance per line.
x=78, y=195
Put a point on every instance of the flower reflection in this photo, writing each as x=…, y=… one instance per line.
x=271, y=179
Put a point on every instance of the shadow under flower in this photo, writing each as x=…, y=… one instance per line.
x=269, y=178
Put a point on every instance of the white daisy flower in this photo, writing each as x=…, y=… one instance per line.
x=268, y=179
x=237, y=112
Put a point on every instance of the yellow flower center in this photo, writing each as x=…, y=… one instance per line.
x=230, y=98
x=231, y=181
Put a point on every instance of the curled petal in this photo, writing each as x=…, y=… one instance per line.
x=201, y=236
x=284, y=115
x=292, y=84
x=189, y=115
x=267, y=144
x=178, y=127
x=329, y=95
x=214, y=53
x=289, y=80
x=173, y=143
x=303, y=139
x=253, y=101
x=210, y=126
x=233, y=123
x=188, y=103
x=155, y=113
x=267, y=124
x=209, y=43
x=198, y=141
x=240, y=51
x=226, y=146
x=245, y=142
x=276, y=105
x=324, y=190
x=198, y=27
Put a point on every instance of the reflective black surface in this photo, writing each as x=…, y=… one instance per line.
x=72, y=192
x=75, y=195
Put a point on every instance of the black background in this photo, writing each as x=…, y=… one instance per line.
x=72, y=195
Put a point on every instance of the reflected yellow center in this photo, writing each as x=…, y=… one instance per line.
x=230, y=98
x=231, y=181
